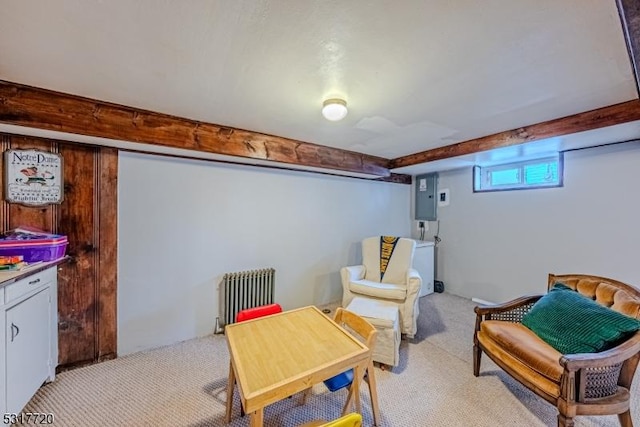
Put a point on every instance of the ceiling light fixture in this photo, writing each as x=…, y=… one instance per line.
x=334, y=109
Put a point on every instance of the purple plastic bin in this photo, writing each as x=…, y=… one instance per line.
x=46, y=251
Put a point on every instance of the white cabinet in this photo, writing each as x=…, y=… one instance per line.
x=29, y=346
x=423, y=263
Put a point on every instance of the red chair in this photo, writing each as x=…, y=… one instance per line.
x=249, y=314
x=255, y=312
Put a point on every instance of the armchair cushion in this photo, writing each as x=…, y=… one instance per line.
x=378, y=290
x=572, y=323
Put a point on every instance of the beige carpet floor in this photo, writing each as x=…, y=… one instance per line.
x=184, y=385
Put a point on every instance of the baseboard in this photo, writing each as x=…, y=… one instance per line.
x=483, y=302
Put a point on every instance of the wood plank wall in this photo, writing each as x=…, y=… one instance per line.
x=87, y=284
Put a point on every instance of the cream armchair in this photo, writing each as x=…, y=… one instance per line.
x=400, y=283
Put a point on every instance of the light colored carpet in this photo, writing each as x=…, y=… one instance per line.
x=184, y=385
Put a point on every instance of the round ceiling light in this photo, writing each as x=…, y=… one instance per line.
x=334, y=109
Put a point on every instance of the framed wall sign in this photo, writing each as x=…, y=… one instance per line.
x=33, y=177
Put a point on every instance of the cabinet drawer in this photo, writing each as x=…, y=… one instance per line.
x=26, y=285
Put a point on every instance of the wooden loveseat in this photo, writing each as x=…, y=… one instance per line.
x=595, y=383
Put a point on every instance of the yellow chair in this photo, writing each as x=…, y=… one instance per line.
x=350, y=420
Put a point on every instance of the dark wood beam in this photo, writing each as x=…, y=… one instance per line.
x=630, y=17
x=608, y=116
x=397, y=178
x=44, y=109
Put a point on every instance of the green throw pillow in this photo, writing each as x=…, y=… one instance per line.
x=572, y=323
x=562, y=286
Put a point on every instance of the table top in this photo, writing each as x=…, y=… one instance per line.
x=282, y=354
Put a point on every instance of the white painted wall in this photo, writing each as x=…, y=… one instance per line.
x=184, y=223
x=500, y=245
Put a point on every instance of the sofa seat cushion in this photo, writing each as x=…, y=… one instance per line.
x=525, y=346
x=378, y=290
x=517, y=368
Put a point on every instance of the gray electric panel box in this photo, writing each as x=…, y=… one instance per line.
x=426, y=203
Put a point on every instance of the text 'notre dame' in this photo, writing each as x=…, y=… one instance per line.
x=40, y=158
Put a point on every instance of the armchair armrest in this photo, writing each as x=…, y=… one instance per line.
x=354, y=272
x=414, y=281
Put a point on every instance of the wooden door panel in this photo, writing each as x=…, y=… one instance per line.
x=107, y=276
x=77, y=288
x=87, y=284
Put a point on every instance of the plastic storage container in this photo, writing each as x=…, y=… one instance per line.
x=33, y=246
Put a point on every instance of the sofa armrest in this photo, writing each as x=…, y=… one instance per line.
x=592, y=376
x=613, y=356
x=511, y=311
x=484, y=310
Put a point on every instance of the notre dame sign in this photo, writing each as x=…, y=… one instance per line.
x=33, y=177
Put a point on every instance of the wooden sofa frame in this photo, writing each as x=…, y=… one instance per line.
x=583, y=374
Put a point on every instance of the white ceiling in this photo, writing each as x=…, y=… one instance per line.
x=416, y=74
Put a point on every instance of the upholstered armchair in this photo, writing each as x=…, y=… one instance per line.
x=597, y=313
x=400, y=283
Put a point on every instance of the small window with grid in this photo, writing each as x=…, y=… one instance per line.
x=536, y=173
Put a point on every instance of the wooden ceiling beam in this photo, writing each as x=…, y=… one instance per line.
x=608, y=116
x=44, y=109
x=397, y=178
x=629, y=11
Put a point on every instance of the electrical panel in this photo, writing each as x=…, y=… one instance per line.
x=426, y=203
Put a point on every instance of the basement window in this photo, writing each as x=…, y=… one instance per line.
x=536, y=173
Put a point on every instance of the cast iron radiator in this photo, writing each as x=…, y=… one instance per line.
x=245, y=289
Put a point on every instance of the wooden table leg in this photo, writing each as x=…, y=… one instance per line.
x=373, y=392
x=357, y=378
x=257, y=418
x=230, y=383
x=347, y=405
